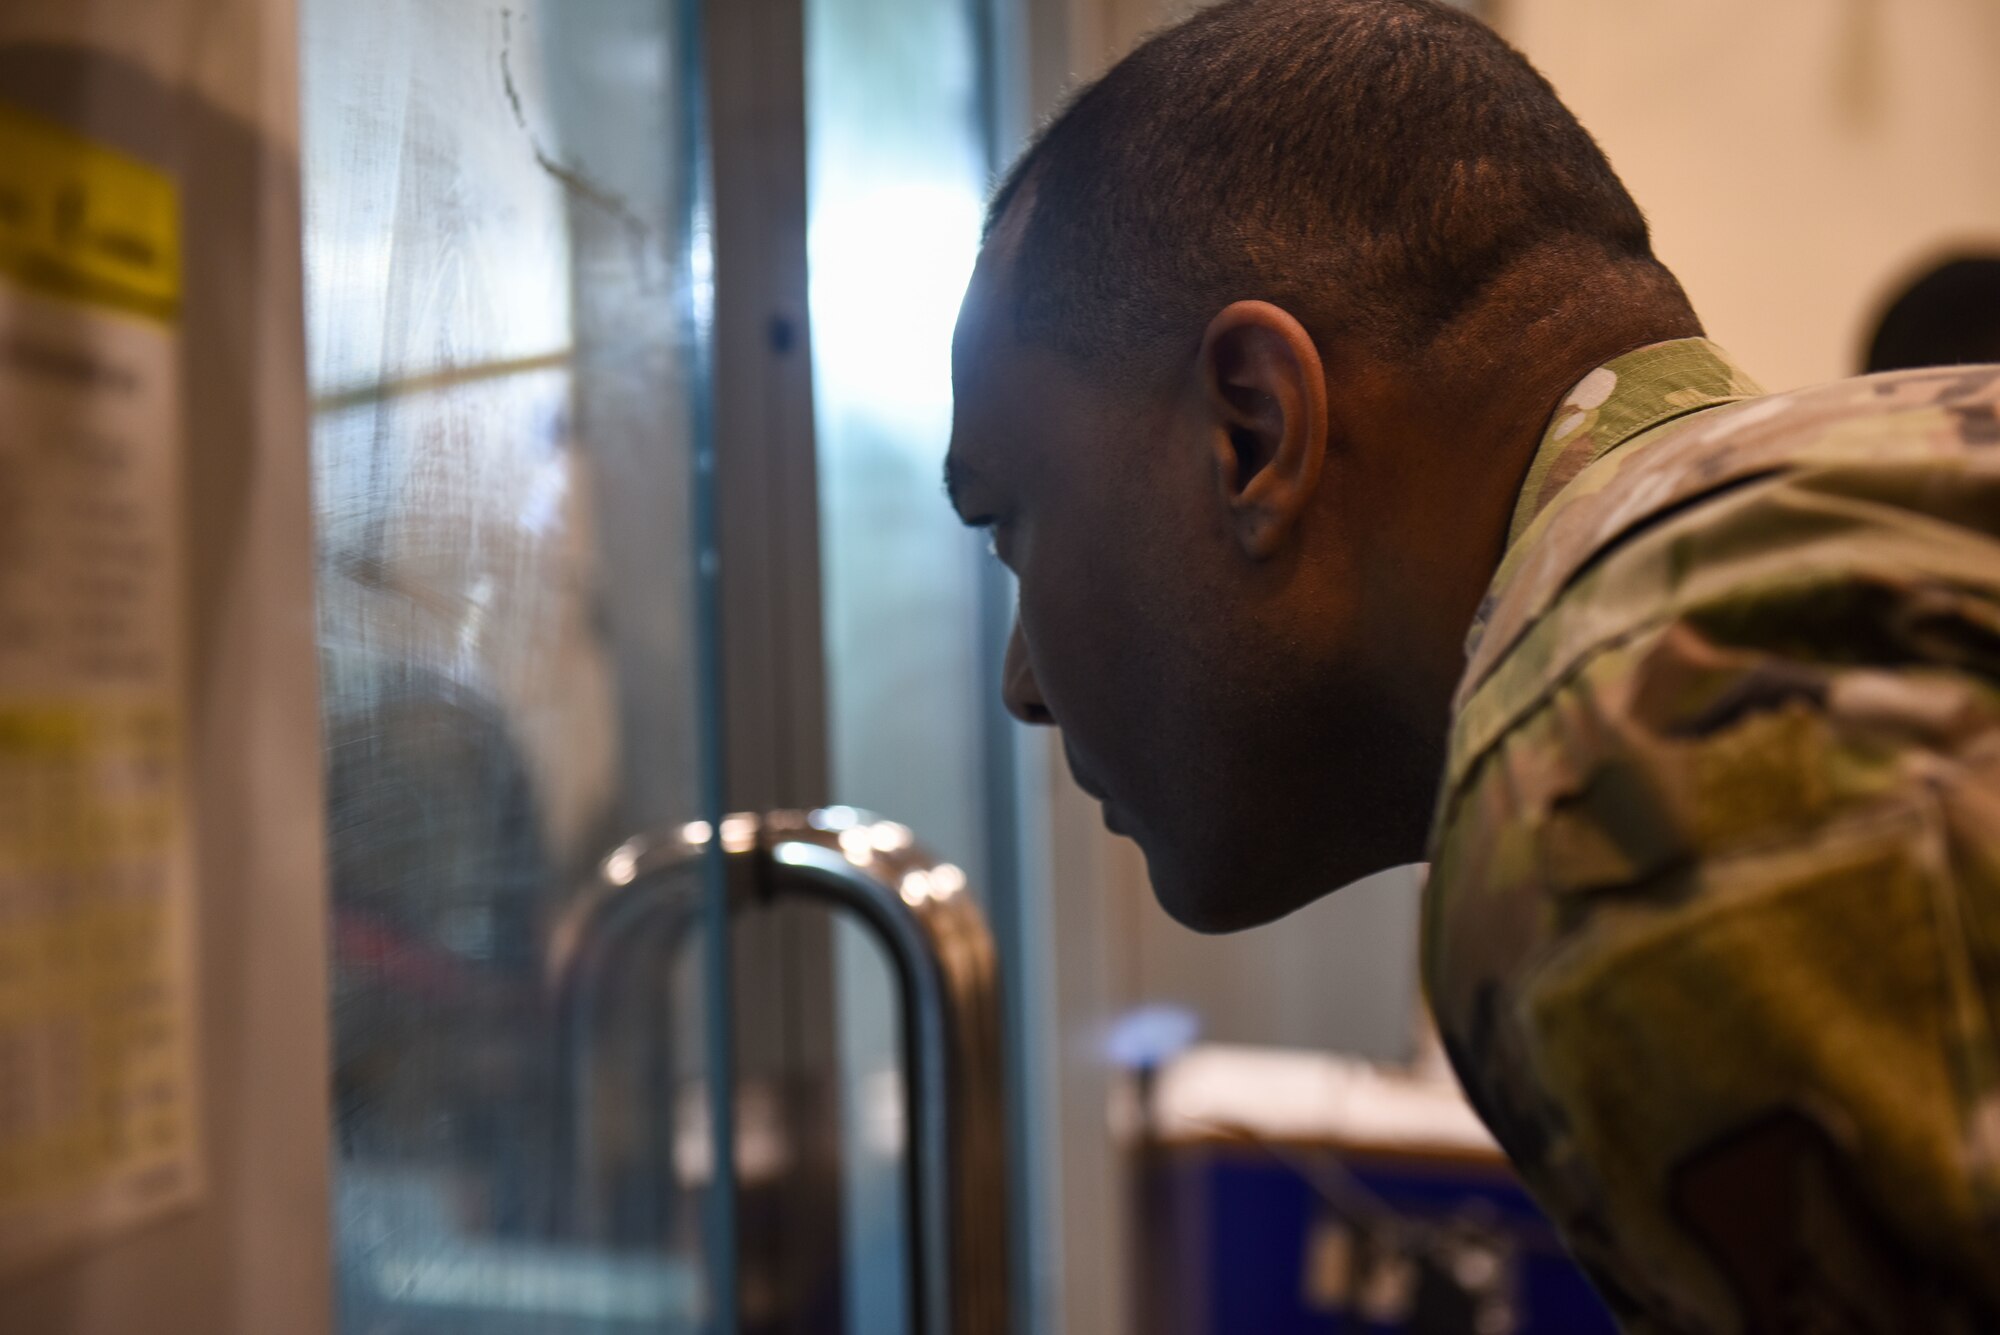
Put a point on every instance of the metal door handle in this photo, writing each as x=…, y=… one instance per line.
x=947, y=978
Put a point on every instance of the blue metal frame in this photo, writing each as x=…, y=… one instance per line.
x=719, y=1221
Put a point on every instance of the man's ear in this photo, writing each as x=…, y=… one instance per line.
x=1265, y=395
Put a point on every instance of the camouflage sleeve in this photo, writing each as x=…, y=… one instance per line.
x=1723, y=962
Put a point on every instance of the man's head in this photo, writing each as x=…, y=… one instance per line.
x=1264, y=330
x=1949, y=316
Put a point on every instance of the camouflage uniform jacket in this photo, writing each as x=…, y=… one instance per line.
x=1713, y=925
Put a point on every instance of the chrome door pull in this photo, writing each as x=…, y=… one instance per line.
x=923, y=914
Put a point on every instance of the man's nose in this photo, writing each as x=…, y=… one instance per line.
x=1018, y=687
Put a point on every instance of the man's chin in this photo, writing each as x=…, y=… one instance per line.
x=1215, y=904
x=1238, y=897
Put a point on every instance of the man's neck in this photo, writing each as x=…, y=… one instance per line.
x=1512, y=360
x=1462, y=432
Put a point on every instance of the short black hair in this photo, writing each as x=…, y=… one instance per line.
x=1949, y=316
x=1371, y=165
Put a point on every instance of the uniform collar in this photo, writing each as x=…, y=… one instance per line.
x=1608, y=408
x=1617, y=401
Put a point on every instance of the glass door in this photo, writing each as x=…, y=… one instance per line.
x=896, y=168
x=505, y=282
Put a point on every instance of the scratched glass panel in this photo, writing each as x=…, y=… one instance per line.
x=896, y=179
x=503, y=306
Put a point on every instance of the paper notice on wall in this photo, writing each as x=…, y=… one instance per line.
x=98, y=1115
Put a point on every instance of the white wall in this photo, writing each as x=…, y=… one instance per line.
x=1796, y=157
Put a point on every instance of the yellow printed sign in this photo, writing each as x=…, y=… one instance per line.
x=99, y=1090
x=83, y=221
x=91, y=1026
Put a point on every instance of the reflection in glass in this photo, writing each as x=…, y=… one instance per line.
x=896, y=175
x=499, y=289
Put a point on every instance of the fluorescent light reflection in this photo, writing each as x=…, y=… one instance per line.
x=889, y=265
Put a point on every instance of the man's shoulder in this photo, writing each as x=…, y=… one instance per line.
x=1696, y=814
x=1889, y=437
x=1748, y=490
x=1901, y=417
x=1938, y=412
x=1830, y=508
